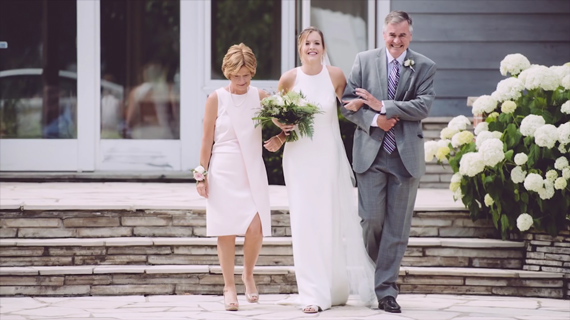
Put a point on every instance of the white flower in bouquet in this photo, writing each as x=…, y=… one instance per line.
x=560, y=163
x=540, y=77
x=514, y=64
x=471, y=164
x=430, y=148
x=489, y=200
x=448, y=132
x=492, y=152
x=518, y=174
x=484, y=104
x=551, y=175
x=524, y=222
x=482, y=126
x=548, y=191
x=565, y=108
x=459, y=122
x=546, y=136
x=560, y=183
x=486, y=135
x=461, y=138
x=520, y=158
x=566, y=173
x=564, y=133
x=533, y=182
x=562, y=148
x=508, y=107
x=508, y=89
x=565, y=82
x=530, y=123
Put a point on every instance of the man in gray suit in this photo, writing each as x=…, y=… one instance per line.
x=389, y=91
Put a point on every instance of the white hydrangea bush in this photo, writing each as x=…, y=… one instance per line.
x=516, y=162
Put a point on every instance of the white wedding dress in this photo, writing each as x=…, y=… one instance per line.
x=328, y=250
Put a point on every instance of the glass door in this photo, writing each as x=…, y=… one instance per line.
x=42, y=125
x=140, y=85
x=348, y=27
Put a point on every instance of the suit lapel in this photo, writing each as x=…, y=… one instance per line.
x=383, y=73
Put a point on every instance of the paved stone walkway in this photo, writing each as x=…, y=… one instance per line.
x=415, y=307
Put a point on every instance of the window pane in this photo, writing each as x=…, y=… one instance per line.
x=38, y=79
x=344, y=25
x=140, y=66
x=256, y=23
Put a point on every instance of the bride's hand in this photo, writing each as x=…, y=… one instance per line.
x=353, y=105
x=274, y=143
x=285, y=127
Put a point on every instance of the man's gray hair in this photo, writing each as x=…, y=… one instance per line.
x=396, y=17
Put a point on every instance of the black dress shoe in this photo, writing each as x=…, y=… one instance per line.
x=389, y=304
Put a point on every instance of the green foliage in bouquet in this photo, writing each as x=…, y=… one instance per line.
x=515, y=168
x=288, y=108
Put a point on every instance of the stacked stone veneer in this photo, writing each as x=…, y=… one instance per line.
x=550, y=254
x=189, y=223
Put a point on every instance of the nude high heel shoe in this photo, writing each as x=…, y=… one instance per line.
x=250, y=297
x=230, y=306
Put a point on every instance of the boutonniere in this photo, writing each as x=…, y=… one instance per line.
x=409, y=63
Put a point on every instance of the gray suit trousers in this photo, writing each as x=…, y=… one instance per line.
x=386, y=197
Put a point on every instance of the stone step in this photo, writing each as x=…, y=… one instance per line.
x=439, y=222
x=276, y=251
x=207, y=279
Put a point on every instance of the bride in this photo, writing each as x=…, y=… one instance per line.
x=328, y=250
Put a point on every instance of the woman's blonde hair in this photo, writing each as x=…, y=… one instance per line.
x=304, y=34
x=238, y=56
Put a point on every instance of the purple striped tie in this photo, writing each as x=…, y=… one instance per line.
x=390, y=138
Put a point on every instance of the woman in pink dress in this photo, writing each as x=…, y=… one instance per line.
x=236, y=183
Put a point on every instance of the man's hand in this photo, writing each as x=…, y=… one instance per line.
x=385, y=123
x=369, y=99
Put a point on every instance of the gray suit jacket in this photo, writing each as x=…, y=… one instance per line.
x=413, y=100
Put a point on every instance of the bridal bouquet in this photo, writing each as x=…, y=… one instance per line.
x=515, y=167
x=289, y=108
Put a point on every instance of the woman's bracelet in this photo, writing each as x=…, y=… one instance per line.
x=277, y=136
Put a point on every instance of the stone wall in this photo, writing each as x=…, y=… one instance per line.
x=550, y=254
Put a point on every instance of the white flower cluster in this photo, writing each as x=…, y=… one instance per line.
x=530, y=123
x=461, y=138
x=508, y=89
x=524, y=222
x=484, y=104
x=540, y=77
x=565, y=108
x=471, y=164
x=514, y=64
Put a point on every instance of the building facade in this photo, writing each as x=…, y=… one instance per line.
x=120, y=85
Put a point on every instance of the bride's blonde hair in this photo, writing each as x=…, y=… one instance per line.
x=303, y=36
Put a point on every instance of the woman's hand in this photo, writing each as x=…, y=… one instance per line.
x=285, y=127
x=202, y=188
x=274, y=143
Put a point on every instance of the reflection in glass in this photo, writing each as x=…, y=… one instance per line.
x=344, y=25
x=140, y=65
x=38, y=79
x=257, y=23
